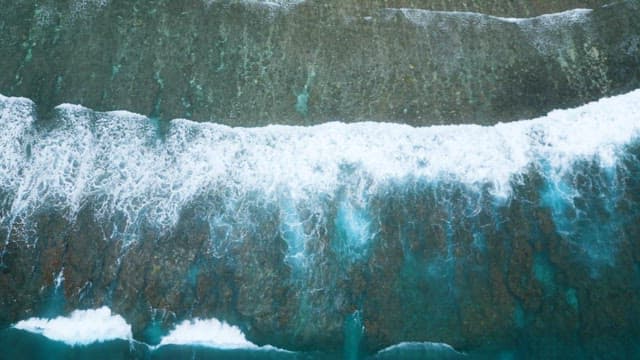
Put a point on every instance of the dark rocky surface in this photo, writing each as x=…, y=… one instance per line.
x=526, y=288
x=249, y=64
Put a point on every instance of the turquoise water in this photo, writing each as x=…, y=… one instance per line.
x=18, y=344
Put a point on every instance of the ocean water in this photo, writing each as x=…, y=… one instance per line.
x=584, y=162
x=124, y=236
x=96, y=334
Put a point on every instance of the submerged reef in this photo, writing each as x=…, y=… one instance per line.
x=252, y=63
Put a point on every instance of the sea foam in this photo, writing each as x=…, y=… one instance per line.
x=210, y=333
x=81, y=327
x=134, y=168
x=423, y=350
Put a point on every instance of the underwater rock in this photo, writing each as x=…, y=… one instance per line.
x=254, y=63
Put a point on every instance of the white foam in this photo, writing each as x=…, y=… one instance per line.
x=86, y=8
x=564, y=17
x=81, y=327
x=422, y=17
x=59, y=279
x=209, y=333
x=16, y=124
x=270, y=3
x=119, y=158
x=415, y=348
x=551, y=34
